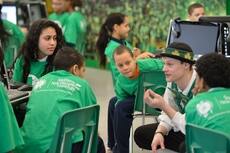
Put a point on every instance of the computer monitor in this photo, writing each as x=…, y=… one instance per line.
x=201, y=37
x=224, y=36
x=9, y=12
x=36, y=11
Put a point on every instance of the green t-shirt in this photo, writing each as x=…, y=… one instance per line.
x=36, y=70
x=60, y=19
x=126, y=87
x=75, y=31
x=9, y=131
x=210, y=110
x=54, y=94
x=13, y=43
x=109, y=51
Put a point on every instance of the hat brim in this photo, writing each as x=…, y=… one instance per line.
x=177, y=57
x=162, y=53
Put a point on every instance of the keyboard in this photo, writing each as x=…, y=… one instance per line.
x=14, y=94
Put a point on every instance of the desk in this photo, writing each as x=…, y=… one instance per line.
x=17, y=97
x=20, y=100
x=19, y=105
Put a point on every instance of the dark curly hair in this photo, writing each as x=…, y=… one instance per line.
x=214, y=69
x=30, y=49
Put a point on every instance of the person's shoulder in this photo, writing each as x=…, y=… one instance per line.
x=197, y=99
x=111, y=46
x=75, y=15
x=78, y=14
x=9, y=25
x=52, y=16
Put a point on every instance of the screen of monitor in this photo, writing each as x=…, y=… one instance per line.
x=37, y=11
x=224, y=39
x=201, y=37
x=9, y=12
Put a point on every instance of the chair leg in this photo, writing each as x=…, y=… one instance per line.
x=131, y=140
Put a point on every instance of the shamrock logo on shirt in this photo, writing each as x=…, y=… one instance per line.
x=39, y=84
x=203, y=108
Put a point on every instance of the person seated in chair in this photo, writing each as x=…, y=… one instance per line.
x=9, y=130
x=55, y=93
x=210, y=107
x=120, y=111
x=180, y=75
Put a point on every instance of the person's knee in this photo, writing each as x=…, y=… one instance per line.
x=138, y=133
x=112, y=103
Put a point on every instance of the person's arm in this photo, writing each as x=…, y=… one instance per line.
x=144, y=55
x=157, y=101
x=18, y=70
x=150, y=64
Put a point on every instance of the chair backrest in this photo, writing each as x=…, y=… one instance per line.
x=204, y=140
x=154, y=80
x=85, y=119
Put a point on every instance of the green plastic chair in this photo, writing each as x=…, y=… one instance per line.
x=85, y=119
x=204, y=140
x=154, y=80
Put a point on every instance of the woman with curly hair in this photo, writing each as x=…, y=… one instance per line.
x=36, y=55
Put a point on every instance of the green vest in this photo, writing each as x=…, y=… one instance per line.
x=181, y=100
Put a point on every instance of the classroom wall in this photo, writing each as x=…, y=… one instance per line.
x=149, y=18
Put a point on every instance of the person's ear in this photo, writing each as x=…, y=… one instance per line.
x=115, y=27
x=187, y=65
x=203, y=86
x=74, y=69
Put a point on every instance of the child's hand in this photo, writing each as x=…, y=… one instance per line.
x=145, y=55
x=136, y=52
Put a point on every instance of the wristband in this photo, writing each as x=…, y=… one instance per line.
x=159, y=133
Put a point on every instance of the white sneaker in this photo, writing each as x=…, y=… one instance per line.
x=108, y=150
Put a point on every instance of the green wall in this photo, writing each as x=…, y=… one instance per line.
x=149, y=18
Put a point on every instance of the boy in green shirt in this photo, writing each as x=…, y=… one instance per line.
x=55, y=93
x=120, y=111
x=210, y=108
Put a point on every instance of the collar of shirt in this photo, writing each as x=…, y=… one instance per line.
x=120, y=41
x=188, y=88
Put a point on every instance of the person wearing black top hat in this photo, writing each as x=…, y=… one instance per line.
x=180, y=75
